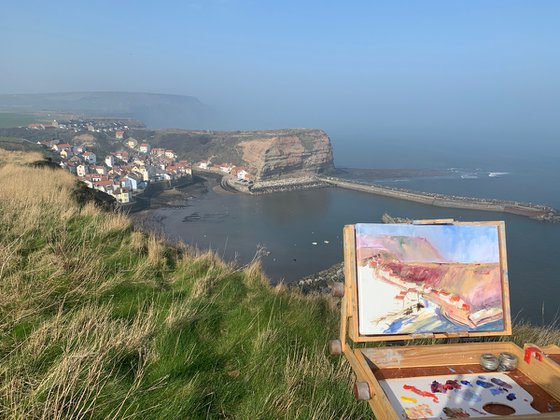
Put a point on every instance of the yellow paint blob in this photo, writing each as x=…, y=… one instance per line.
x=409, y=399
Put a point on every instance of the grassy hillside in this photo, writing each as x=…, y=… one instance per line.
x=98, y=320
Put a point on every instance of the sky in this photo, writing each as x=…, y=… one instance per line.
x=455, y=243
x=413, y=70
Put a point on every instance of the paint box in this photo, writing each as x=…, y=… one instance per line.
x=407, y=285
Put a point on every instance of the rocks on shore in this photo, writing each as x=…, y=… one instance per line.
x=321, y=282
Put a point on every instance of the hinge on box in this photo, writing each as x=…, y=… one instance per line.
x=421, y=335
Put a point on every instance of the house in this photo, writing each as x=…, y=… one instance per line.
x=144, y=148
x=104, y=185
x=131, y=182
x=61, y=146
x=81, y=170
x=158, y=151
x=226, y=167
x=86, y=181
x=132, y=143
x=244, y=175
x=205, y=164
x=170, y=154
x=71, y=167
x=89, y=158
x=36, y=126
x=122, y=155
x=122, y=195
x=66, y=153
x=99, y=169
x=94, y=177
x=119, y=134
x=143, y=172
x=109, y=161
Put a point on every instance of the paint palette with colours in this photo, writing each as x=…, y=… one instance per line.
x=456, y=396
x=436, y=279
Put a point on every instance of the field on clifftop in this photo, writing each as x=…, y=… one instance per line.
x=99, y=320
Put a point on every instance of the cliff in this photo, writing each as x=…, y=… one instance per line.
x=266, y=153
x=288, y=152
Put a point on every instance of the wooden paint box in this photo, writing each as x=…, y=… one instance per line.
x=437, y=279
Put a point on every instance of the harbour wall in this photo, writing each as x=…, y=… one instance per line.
x=534, y=211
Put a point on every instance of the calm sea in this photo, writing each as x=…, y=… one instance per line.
x=301, y=231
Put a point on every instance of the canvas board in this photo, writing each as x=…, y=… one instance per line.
x=414, y=279
x=455, y=396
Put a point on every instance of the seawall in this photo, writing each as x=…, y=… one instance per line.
x=534, y=211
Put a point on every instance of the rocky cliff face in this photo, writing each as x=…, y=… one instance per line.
x=265, y=153
x=287, y=152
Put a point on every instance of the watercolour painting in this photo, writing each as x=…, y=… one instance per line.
x=415, y=279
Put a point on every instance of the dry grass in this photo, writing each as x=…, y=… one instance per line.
x=19, y=158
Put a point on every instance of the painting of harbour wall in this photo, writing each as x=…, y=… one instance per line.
x=428, y=278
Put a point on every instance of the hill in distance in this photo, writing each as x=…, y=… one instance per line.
x=154, y=109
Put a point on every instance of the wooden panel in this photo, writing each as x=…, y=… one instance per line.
x=434, y=222
x=379, y=402
x=351, y=292
x=505, y=280
x=435, y=355
x=544, y=372
x=350, y=284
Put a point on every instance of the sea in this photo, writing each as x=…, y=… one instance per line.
x=299, y=233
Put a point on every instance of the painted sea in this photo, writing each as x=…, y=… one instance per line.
x=300, y=232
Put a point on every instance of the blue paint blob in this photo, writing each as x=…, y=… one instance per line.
x=511, y=396
x=466, y=383
x=497, y=391
x=501, y=383
x=484, y=384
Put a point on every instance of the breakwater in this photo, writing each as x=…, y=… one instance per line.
x=534, y=211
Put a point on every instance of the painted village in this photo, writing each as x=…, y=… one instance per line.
x=128, y=172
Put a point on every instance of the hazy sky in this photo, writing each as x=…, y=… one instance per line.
x=403, y=66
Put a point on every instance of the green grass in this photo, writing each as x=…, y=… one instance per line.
x=18, y=144
x=98, y=320
x=13, y=119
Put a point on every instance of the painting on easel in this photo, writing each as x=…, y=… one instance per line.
x=427, y=279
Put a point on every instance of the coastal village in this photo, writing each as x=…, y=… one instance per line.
x=129, y=171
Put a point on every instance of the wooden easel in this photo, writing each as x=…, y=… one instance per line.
x=374, y=362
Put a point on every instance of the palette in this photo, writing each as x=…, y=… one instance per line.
x=436, y=279
x=456, y=396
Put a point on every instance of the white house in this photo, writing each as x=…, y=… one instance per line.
x=122, y=195
x=89, y=157
x=81, y=170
